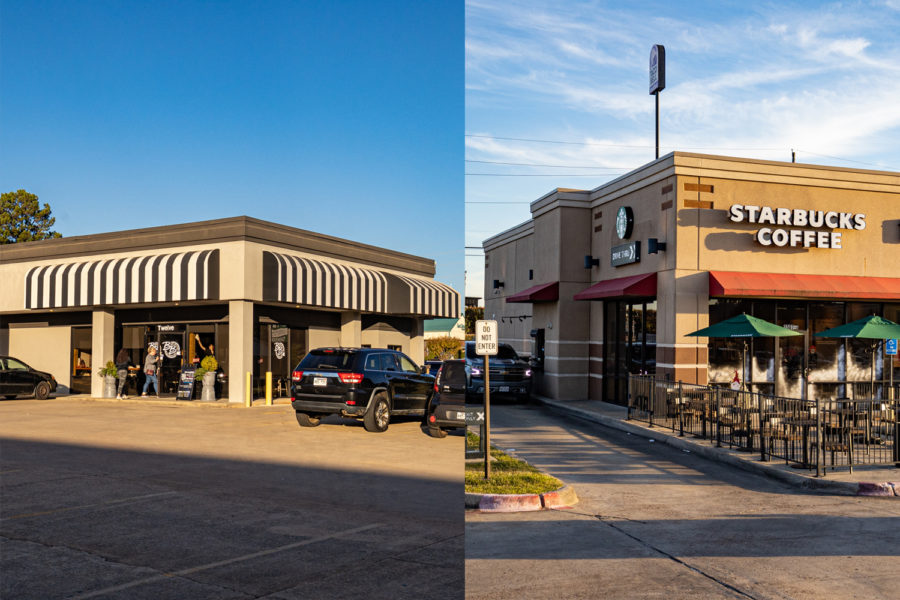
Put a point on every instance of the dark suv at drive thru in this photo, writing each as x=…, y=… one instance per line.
x=447, y=409
x=510, y=375
x=365, y=383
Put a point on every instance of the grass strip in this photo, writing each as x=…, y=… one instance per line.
x=508, y=475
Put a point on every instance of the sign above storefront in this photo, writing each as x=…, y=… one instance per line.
x=786, y=217
x=626, y=254
x=624, y=222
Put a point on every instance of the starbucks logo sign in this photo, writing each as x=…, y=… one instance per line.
x=624, y=222
x=279, y=350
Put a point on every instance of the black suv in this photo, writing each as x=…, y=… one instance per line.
x=365, y=383
x=510, y=375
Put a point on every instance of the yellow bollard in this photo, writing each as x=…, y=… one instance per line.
x=268, y=388
x=248, y=395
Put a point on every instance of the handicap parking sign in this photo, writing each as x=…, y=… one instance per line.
x=890, y=347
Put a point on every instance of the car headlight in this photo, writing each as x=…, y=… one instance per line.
x=527, y=372
x=476, y=372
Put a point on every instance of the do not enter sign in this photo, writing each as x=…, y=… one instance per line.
x=486, y=338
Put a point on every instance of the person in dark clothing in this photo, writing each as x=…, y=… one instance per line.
x=123, y=360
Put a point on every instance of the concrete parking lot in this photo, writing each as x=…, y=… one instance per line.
x=143, y=500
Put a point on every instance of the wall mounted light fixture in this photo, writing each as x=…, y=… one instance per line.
x=654, y=246
x=590, y=261
x=498, y=284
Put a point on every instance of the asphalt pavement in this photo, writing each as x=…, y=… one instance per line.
x=656, y=521
x=165, y=500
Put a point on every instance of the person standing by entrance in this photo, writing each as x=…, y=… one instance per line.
x=150, y=368
x=122, y=362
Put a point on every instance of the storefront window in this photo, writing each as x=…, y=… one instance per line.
x=725, y=353
x=826, y=355
x=81, y=360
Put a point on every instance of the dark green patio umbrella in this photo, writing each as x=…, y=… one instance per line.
x=743, y=326
x=872, y=328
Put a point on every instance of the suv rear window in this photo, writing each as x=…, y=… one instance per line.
x=320, y=359
x=505, y=351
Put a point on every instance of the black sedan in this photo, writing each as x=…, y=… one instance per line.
x=18, y=379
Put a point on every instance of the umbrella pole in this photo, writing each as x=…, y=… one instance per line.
x=744, y=367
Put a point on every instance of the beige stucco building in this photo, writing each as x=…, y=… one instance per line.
x=807, y=246
x=257, y=294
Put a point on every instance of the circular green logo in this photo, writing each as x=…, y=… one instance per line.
x=624, y=222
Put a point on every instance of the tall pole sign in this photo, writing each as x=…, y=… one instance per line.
x=486, y=344
x=657, y=80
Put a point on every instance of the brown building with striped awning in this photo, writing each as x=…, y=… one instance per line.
x=257, y=294
x=604, y=283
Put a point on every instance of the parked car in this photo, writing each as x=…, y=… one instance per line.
x=510, y=375
x=447, y=408
x=18, y=379
x=370, y=384
x=433, y=366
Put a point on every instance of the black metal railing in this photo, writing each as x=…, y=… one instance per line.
x=861, y=429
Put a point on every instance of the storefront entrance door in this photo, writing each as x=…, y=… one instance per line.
x=169, y=342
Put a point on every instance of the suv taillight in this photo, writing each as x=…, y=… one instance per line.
x=351, y=377
x=297, y=375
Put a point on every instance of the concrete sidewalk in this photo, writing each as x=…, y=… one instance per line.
x=171, y=401
x=865, y=480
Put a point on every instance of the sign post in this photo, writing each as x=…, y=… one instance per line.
x=657, y=80
x=486, y=343
x=890, y=348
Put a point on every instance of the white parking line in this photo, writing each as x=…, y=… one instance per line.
x=84, y=506
x=222, y=563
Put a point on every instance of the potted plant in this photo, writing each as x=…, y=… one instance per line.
x=207, y=373
x=108, y=373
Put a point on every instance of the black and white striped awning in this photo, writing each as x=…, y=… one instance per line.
x=156, y=278
x=424, y=297
x=317, y=282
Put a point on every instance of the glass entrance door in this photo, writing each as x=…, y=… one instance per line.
x=169, y=343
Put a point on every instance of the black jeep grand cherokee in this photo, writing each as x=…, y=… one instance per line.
x=366, y=383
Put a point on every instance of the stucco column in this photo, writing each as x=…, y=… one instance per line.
x=417, y=342
x=240, y=347
x=351, y=329
x=102, y=339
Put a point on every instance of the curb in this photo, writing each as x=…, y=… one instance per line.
x=152, y=401
x=843, y=488
x=564, y=497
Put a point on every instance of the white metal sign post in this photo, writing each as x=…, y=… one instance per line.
x=486, y=343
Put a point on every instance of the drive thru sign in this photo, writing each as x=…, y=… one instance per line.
x=486, y=338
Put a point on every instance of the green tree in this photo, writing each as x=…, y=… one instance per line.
x=473, y=313
x=442, y=348
x=23, y=220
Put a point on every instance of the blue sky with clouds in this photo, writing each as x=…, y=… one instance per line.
x=748, y=79
x=342, y=117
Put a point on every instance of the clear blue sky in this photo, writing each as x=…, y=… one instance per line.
x=749, y=79
x=341, y=117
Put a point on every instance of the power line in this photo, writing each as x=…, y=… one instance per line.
x=542, y=174
x=859, y=162
x=495, y=162
x=568, y=142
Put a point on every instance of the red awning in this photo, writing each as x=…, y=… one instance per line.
x=632, y=286
x=789, y=285
x=546, y=292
